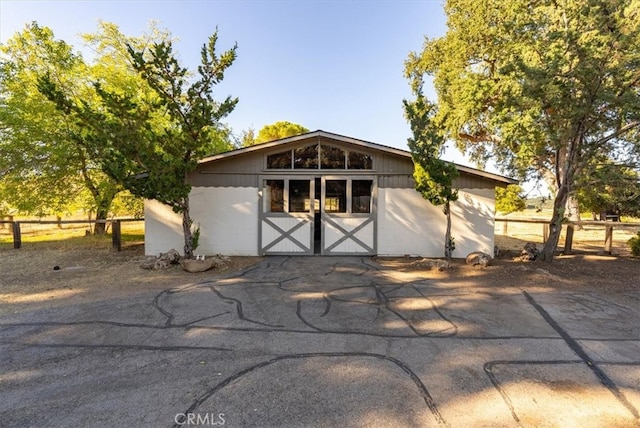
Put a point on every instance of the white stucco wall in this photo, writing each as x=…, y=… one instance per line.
x=407, y=224
x=228, y=219
x=410, y=225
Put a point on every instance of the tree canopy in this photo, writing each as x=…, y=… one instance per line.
x=610, y=188
x=46, y=166
x=42, y=170
x=433, y=176
x=510, y=199
x=540, y=88
x=279, y=130
x=149, y=141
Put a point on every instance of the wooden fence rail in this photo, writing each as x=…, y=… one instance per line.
x=571, y=225
x=116, y=228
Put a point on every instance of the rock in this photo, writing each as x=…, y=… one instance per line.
x=478, y=258
x=171, y=256
x=496, y=251
x=148, y=262
x=163, y=261
x=191, y=265
x=219, y=261
x=161, y=264
x=529, y=252
x=437, y=264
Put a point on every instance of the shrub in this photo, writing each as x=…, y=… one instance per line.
x=634, y=243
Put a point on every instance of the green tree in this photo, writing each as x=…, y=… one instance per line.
x=279, y=130
x=433, y=176
x=150, y=142
x=510, y=199
x=539, y=87
x=610, y=188
x=247, y=138
x=42, y=168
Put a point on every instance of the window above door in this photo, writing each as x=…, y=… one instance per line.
x=320, y=156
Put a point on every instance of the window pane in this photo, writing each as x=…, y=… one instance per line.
x=360, y=161
x=306, y=157
x=274, y=196
x=361, y=196
x=299, y=196
x=335, y=200
x=279, y=160
x=332, y=157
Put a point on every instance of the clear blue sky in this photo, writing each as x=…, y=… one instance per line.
x=330, y=65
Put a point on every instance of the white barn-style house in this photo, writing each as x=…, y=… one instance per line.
x=324, y=194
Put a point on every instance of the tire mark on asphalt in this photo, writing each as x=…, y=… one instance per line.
x=606, y=381
x=156, y=304
x=125, y=347
x=304, y=321
x=424, y=393
x=488, y=369
x=283, y=330
x=239, y=311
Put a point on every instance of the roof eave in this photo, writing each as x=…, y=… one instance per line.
x=350, y=140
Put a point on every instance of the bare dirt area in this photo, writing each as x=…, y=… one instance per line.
x=29, y=275
x=571, y=272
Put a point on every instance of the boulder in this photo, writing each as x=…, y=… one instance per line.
x=171, y=256
x=478, y=258
x=529, y=252
x=191, y=265
x=201, y=263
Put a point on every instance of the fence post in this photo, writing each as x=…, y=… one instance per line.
x=504, y=227
x=568, y=241
x=17, y=235
x=116, y=236
x=545, y=232
x=608, y=239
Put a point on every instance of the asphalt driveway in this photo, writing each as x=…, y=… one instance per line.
x=325, y=341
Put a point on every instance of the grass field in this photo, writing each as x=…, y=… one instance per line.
x=510, y=236
x=590, y=238
x=70, y=235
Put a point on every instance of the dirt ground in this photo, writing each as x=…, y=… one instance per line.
x=28, y=276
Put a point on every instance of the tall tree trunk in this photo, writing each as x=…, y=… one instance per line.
x=186, y=229
x=103, y=199
x=448, y=242
x=555, y=225
x=572, y=210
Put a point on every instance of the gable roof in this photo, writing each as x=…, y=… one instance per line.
x=348, y=140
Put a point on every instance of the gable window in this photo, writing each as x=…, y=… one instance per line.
x=280, y=160
x=319, y=156
x=359, y=160
x=332, y=158
x=306, y=157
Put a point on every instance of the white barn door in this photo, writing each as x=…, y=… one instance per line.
x=286, y=216
x=348, y=215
